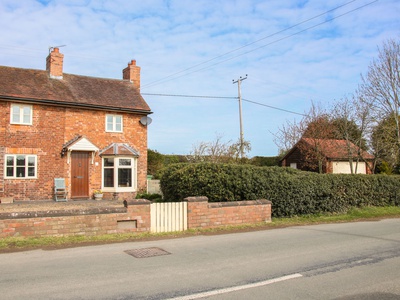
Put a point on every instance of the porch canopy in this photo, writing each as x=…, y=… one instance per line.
x=119, y=149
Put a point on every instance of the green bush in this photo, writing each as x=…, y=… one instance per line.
x=292, y=192
x=148, y=196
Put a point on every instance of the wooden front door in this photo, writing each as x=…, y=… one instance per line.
x=79, y=174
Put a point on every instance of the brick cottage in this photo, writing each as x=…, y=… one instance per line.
x=90, y=131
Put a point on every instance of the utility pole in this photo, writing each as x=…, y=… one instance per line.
x=240, y=113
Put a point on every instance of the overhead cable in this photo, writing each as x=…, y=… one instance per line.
x=189, y=96
x=274, y=107
x=220, y=97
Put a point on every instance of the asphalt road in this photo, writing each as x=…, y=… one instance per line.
x=348, y=261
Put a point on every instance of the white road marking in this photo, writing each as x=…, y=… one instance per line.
x=237, y=288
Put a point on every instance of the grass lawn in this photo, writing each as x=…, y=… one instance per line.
x=356, y=214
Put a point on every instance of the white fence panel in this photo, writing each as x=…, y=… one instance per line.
x=168, y=216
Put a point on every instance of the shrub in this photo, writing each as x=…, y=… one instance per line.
x=291, y=191
x=151, y=197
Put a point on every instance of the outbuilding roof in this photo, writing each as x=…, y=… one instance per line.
x=337, y=149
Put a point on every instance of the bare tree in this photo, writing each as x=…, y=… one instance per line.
x=218, y=151
x=343, y=113
x=235, y=150
x=198, y=153
x=384, y=142
x=288, y=135
x=318, y=128
x=365, y=123
x=351, y=121
x=315, y=126
x=380, y=87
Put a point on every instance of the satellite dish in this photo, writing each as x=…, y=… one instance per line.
x=145, y=121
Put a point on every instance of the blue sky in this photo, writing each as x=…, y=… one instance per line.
x=292, y=51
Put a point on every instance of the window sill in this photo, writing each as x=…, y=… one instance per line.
x=119, y=190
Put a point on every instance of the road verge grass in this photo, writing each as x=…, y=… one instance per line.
x=12, y=244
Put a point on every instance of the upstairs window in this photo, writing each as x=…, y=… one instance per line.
x=21, y=166
x=113, y=123
x=21, y=114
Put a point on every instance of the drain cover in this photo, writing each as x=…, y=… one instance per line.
x=146, y=252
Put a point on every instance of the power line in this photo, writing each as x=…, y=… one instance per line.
x=167, y=78
x=274, y=107
x=220, y=97
x=188, y=96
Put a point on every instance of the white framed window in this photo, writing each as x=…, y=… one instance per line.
x=21, y=166
x=293, y=165
x=119, y=174
x=114, y=123
x=21, y=114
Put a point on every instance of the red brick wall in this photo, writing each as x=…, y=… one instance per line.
x=84, y=223
x=132, y=73
x=54, y=63
x=93, y=129
x=54, y=126
x=202, y=214
x=2, y=152
x=135, y=218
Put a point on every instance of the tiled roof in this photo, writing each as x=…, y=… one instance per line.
x=83, y=141
x=71, y=90
x=72, y=141
x=336, y=149
x=119, y=149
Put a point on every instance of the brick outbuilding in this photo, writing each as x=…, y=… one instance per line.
x=90, y=131
x=335, y=156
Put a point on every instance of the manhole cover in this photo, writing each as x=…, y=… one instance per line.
x=147, y=252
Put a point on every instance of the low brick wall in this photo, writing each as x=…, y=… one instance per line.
x=91, y=218
x=81, y=221
x=202, y=214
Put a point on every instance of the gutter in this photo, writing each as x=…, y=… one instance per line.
x=80, y=105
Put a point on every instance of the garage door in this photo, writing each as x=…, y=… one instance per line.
x=343, y=167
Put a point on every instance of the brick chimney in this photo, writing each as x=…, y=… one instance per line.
x=54, y=64
x=132, y=73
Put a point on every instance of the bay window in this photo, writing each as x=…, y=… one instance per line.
x=119, y=174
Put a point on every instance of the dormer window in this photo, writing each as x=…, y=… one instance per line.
x=21, y=114
x=113, y=123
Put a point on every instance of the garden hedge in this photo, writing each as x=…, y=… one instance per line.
x=291, y=191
